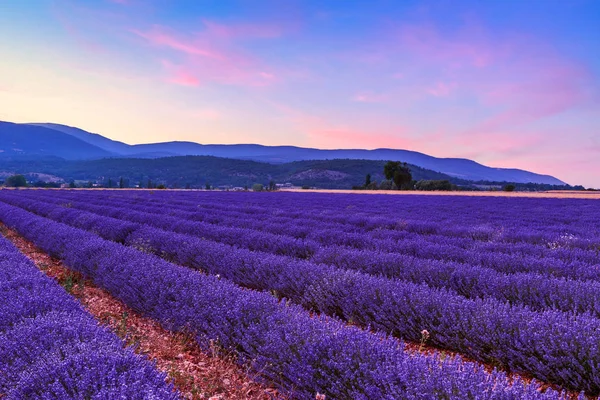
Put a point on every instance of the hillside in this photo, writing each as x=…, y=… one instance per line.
x=27, y=141
x=196, y=171
x=94, y=146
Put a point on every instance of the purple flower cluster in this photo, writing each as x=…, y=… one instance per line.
x=504, y=248
x=51, y=348
x=398, y=307
x=303, y=354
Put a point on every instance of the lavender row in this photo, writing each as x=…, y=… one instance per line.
x=579, y=268
x=403, y=309
x=550, y=233
x=240, y=237
x=533, y=290
x=308, y=354
x=481, y=248
x=422, y=214
x=51, y=348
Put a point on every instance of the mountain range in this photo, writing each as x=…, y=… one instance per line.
x=48, y=140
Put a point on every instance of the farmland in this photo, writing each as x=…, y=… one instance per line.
x=353, y=297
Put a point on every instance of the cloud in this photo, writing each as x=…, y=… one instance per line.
x=215, y=54
x=366, y=97
x=179, y=75
x=442, y=89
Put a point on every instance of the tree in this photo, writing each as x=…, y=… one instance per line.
x=257, y=187
x=207, y=186
x=72, y=185
x=398, y=172
x=368, y=180
x=509, y=188
x=149, y=184
x=121, y=183
x=110, y=183
x=272, y=185
x=16, y=181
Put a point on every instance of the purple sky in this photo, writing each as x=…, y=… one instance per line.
x=505, y=83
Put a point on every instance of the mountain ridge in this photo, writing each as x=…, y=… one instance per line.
x=457, y=167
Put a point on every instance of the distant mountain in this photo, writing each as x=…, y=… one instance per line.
x=111, y=146
x=27, y=141
x=455, y=167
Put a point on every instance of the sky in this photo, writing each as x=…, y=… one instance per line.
x=505, y=83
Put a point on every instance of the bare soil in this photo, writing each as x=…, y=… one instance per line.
x=196, y=374
x=555, y=194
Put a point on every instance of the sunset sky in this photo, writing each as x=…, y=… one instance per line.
x=505, y=83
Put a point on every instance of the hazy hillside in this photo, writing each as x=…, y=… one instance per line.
x=111, y=146
x=27, y=141
x=94, y=146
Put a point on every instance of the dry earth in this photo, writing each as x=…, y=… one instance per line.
x=558, y=194
x=196, y=374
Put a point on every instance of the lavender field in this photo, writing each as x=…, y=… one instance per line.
x=353, y=297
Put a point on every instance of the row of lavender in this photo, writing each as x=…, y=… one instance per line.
x=468, y=279
x=552, y=345
x=299, y=352
x=561, y=260
x=450, y=216
x=50, y=347
x=565, y=253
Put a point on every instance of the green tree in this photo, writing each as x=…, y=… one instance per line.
x=509, y=188
x=272, y=185
x=16, y=181
x=72, y=185
x=207, y=186
x=399, y=173
x=257, y=187
x=121, y=183
x=368, y=180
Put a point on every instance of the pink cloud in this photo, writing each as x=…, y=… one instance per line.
x=442, y=89
x=469, y=47
x=207, y=114
x=366, y=97
x=521, y=76
x=181, y=77
x=325, y=132
x=347, y=137
x=214, y=54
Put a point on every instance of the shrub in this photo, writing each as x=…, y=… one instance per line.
x=16, y=181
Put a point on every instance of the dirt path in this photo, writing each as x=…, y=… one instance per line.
x=196, y=374
x=558, y=194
